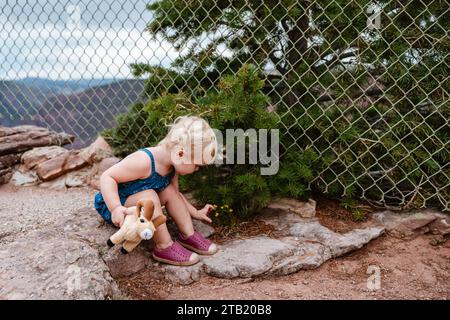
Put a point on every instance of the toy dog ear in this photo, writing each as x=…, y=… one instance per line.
x=149, y=207
x=159, y=221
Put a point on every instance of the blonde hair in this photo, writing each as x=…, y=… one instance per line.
x=193, y=134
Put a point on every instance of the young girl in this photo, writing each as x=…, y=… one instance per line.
x=152, y=173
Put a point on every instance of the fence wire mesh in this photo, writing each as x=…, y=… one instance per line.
x=361, y=84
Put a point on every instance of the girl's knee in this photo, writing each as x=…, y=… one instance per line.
x=169, y=192
x=152, y=195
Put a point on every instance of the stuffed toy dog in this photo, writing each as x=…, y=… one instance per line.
x=137, y=226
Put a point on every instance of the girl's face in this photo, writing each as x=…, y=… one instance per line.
x=186, y=168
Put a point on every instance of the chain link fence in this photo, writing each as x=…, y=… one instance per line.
x=363, y=85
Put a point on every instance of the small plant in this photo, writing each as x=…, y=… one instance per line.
x=358, y=215
x=223, y=214
x=357, y=210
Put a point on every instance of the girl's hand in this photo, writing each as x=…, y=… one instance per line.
x=118, y=216
x=202, y=214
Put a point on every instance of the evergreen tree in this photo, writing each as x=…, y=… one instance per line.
x=363, y=112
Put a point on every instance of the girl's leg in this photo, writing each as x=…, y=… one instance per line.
x=175, y=205
x=161, y=237
x=177, y=209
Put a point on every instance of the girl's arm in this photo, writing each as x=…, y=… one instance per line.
x=135, y=166
x=196, y=214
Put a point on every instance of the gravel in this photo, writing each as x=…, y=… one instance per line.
x=23, y=209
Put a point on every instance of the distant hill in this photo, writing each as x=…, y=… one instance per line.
x=20, y=99
x=79, y=107
x=88, y=112
x=65, y=85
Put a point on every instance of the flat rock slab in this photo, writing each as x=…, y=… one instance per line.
x=47, y=266
x=411, y=224
x=308, y=246
x=247, y=258
x=338, y=244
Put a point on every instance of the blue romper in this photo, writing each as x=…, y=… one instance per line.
x=155, y=181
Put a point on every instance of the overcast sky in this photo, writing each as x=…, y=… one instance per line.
x=73, y=39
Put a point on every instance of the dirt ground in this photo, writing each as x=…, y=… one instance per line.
x=407, y=269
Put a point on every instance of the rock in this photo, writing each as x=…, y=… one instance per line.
x=98, y=169
x=24, y=179
x=190, y=197
x=9, y=160
x=5, y=175
x=97, y=151
x=121, y=265
x=22, y=138
x=60, y=269
x=440, y=226
x=307, y=256
x=75, y=179
x=86, y=225
x=69, y=180
x=95, y=184
x=35, y=156
x=205, y=230
x=105, y=164
x=304, y=209
x=56, y=167
x=338, y=244
x=79, y=178
x=308, y=246
x=183, y=275
x=282, y=220
x=247, y=258
x=408, y=225
x=56, y=184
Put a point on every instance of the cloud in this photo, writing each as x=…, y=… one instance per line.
x=102, y=44
x=56, y=52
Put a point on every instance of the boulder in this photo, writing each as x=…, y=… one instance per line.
x=412, y=224
x=303, y=209
x=5, y=175
x=33, y=157
x=22, y=138
x=46, y=265
x=80, y=177
x=440, y=226
x=55, y=184
x=121, y=265
x=247, y=258
x=105, y=164
x=99, y=168
x=175, y=274
x=86, y=225
x=56, y=167
x=9, y=160
x=308, y=247
x=338, y=244
x=28, y=178
x=205, y=230
x=97, y=151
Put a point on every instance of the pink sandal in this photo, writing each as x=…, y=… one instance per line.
x=176, y=255
x=198, y=243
